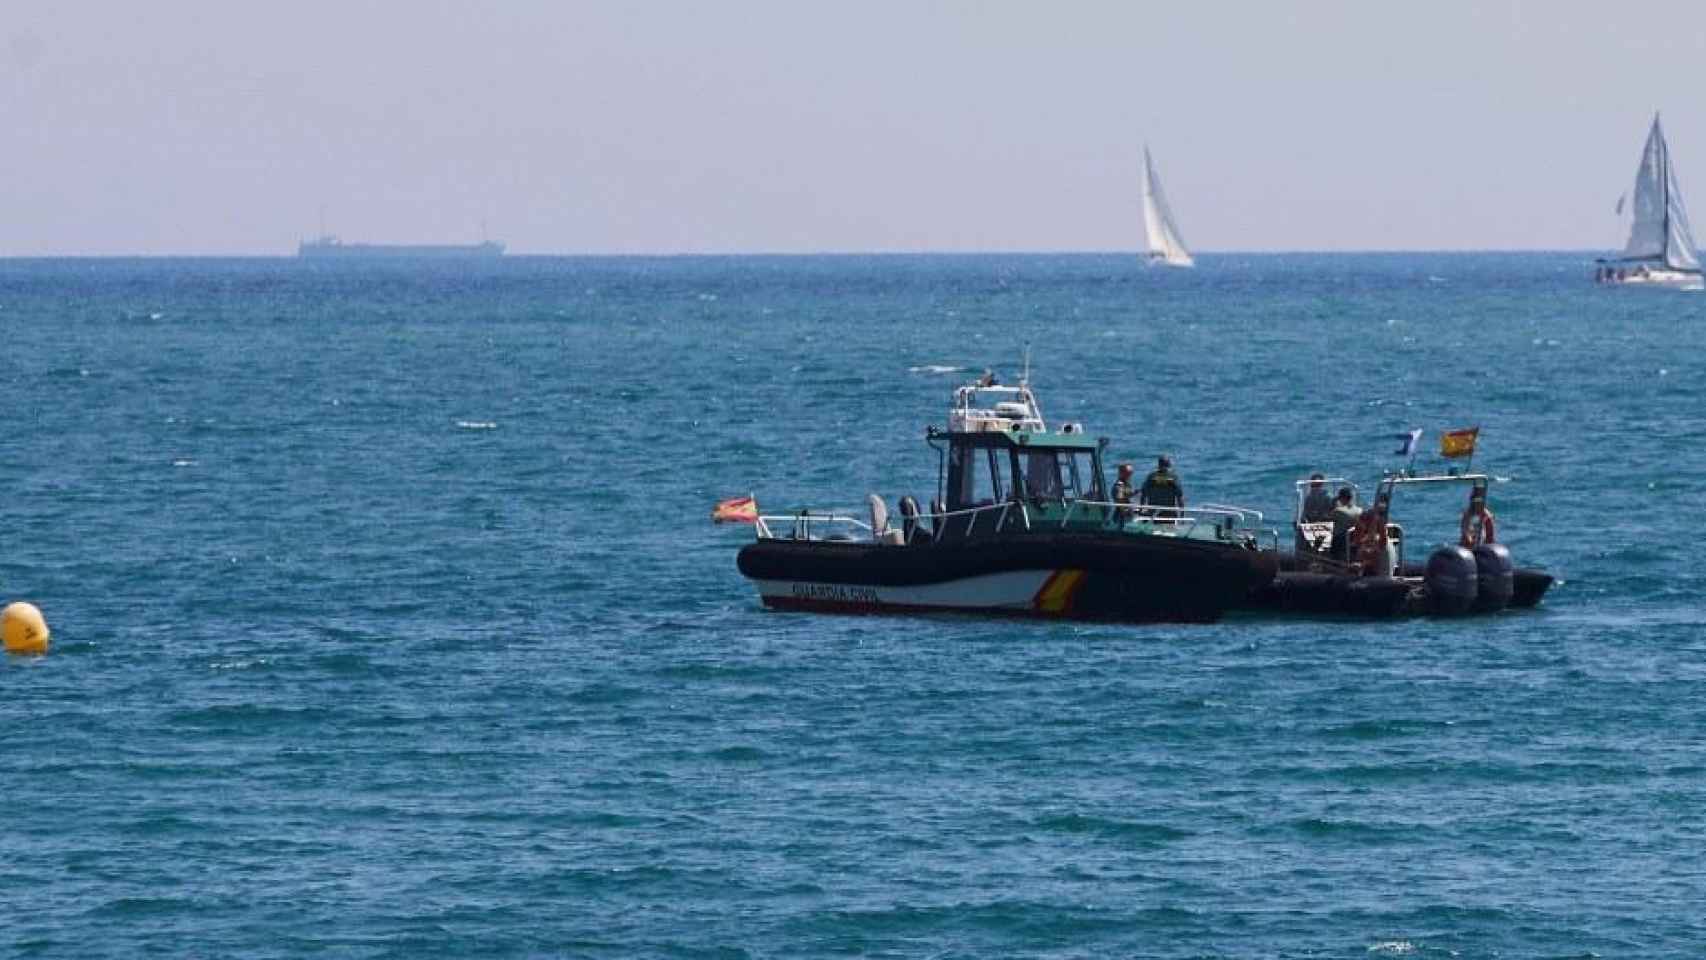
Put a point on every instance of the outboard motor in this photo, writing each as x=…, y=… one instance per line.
x=908, y=518
x=1451, y=581
x=1495, y=577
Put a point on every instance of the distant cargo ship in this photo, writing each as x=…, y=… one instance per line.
x=329, y=246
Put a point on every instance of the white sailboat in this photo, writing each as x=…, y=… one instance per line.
x=1660, y=251
x=1166, y=246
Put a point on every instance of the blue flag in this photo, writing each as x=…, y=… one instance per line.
x=1411, y=440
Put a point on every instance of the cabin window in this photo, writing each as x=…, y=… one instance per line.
x=965, y=472
x=1086, y=482
x=1059, y=474
x=976, y=475
x=1042, y=474
x=1069, y=476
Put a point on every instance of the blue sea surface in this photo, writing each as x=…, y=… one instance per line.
x=388, y=620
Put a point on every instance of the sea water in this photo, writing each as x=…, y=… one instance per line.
x=388, y=620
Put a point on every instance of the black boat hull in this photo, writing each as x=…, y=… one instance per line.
x=1310, y=593
x=1076, y=576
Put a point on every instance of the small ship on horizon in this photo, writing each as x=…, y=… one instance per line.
x=329, y=246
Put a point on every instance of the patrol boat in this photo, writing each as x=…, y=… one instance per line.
x=1021, y=524
x=1370, y=573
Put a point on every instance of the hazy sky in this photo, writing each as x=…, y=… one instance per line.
x=619, y=127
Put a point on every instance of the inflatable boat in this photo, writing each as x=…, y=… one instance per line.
x=1362, y=569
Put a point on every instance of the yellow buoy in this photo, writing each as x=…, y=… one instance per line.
x=23, y=629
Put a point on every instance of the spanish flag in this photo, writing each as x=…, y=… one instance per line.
x=1458, y=443
x=736, y=510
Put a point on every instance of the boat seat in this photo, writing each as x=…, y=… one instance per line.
x=1316, y=536
x=909, y=523
x=881, y=532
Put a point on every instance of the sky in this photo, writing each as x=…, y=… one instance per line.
x=584, y=127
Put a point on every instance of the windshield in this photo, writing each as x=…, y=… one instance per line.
x=1060, y=474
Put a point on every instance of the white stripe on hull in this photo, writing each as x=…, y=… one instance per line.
x=1012, y=590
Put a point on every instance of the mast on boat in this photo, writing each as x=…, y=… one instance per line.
x=1664, y=180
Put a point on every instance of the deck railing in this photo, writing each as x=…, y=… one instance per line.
x=1218, y=521
x=1211, y=521
x=801, y=523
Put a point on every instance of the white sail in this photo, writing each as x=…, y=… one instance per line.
x=1660, y=231
x=1165, y=243
x=1680, y=252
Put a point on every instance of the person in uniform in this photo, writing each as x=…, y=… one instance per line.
x=1161, y=488
x=1345, y=515
x=1124, y=491
x=1318, y=504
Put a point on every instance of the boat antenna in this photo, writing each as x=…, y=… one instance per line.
x=1025, y=378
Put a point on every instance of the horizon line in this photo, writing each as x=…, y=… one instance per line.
x=775, y=254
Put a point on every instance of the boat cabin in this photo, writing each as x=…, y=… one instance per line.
x=998, y=452
x=1001, y=470
x=981, y=469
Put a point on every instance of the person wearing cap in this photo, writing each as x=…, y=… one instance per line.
x=1318, y=505
x=1345, y=515
x=1124, y=491
x=1161, y=488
